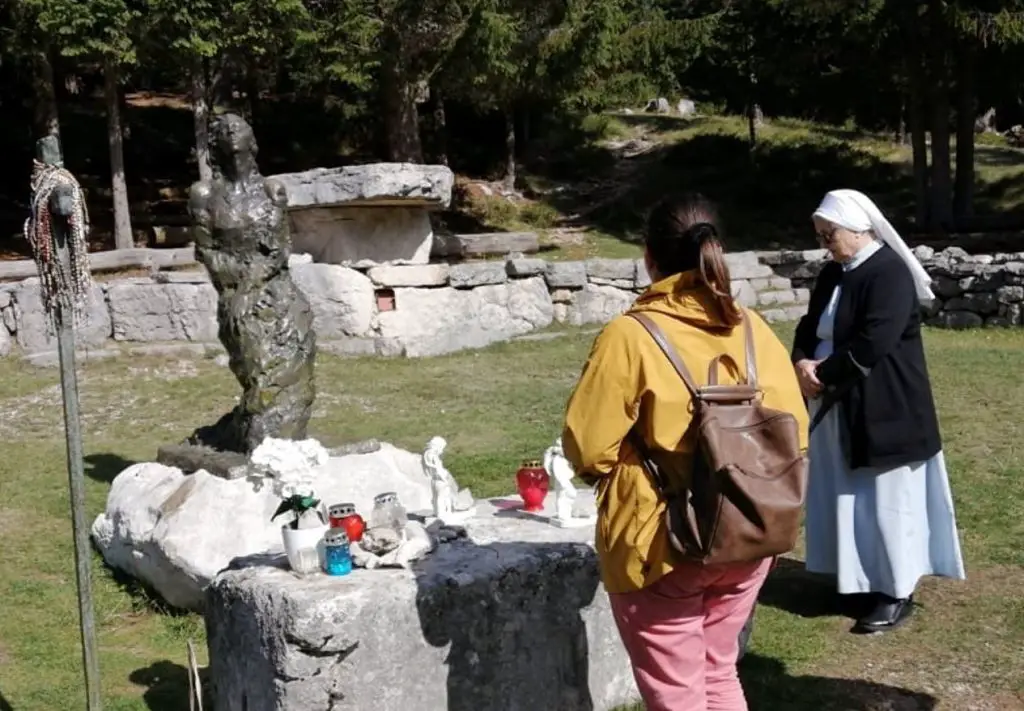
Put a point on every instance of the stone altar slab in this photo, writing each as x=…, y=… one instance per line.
x=363, y=215
x=176, y=531
x=513, y=617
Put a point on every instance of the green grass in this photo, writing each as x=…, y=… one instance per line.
x=965, y=648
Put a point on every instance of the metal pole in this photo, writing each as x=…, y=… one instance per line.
x=61, y=204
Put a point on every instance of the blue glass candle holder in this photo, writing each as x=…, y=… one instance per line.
x=337, y=553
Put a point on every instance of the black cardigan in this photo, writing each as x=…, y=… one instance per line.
x=889, y=413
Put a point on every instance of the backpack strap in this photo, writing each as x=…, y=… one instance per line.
x=659, y=337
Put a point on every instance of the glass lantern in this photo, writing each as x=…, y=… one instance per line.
x=388, y=512
x=337, y=553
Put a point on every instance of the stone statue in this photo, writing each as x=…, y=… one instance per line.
x=561, y=473
x=451, y=506
x=241, y=235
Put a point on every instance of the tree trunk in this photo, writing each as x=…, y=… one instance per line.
x=963, y=190
x=441, y=126
x=47, y=118
x=401, y=117
x=901, y=121
x=510, y=148
x=919, y=147
x=119, y=188
x=200, y=118
x=252, y=90
x=941, y=207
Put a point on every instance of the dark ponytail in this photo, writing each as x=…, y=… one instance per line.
x=682, y=234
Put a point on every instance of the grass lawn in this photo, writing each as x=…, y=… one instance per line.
x=964, y=650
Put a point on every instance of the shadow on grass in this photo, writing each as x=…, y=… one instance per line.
x=791, y=588
x=166, y=685
x=4, y=703
x=768, y=687
x=105, y=467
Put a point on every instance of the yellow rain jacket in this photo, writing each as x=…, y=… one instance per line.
x=627, y=377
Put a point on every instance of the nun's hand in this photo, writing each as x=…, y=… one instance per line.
x=810, y=386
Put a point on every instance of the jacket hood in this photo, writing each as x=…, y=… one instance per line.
x=683, y=297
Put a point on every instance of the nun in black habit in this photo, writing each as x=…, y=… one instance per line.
x=879, y=508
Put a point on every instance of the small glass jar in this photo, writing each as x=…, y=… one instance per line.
x=337, y=553
x=339, y=512
x=388, y=512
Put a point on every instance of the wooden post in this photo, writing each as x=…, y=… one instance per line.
x=61, y=206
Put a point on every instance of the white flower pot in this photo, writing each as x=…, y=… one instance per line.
x=304, y=548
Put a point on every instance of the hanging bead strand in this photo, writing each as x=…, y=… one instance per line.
x=67, y=287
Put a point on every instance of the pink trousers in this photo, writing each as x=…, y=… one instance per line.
x=682, y=635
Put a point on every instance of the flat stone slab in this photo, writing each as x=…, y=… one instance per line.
x=402, y=184
x=511, y=617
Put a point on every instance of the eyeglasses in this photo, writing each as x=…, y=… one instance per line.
x=826, y=236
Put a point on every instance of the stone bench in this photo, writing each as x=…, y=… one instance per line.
x=511, y=618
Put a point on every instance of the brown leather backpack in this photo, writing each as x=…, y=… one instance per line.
x=746, y=493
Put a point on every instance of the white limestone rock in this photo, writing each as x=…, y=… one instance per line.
x=599, y=304
x=33, y=332
x=341, y=299
x=144, y=310
x=429, y=322
x=387, y=183
x=175, y=532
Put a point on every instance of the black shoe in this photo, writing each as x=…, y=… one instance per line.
x=888, y=614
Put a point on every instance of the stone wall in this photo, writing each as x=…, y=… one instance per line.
x=971, y=290
x=412, y=310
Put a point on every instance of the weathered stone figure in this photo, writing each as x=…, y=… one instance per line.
x=241, y=235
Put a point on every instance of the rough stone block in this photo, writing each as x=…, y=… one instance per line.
x=513, y=617
x=341, y=299
x=176, y=531
x=33, y=330
x=363, y=236
x=746, y=269
x=803, y=296
x=619, y=270
x=946, y=287
x=490, y=244
x=5, y=299
x=774, y=298
x=1010, y=294
x=560, y=312
x=641, y=279
x=5, y=342
x=778, y=283
x=467, y=276
x=599, y=304
x=982, y=303
x=566, y=275
x=525, y=267
x=411, y=275
x=146, y=311
x=744, y=292
x=390, y=184
x=430, y=322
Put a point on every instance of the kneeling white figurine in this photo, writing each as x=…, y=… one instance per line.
x=561, y=473
x=451, y=505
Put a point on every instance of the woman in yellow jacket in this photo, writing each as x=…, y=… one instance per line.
x=679, y=620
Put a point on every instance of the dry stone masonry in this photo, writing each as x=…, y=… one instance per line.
x=971, y=290
x=417, y=310
x=385, y=309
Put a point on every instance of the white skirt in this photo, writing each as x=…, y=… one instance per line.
x=877, y=530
